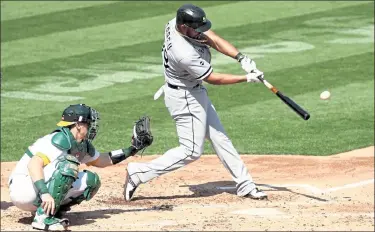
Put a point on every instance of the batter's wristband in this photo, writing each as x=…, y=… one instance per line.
x=41, y=186
x=239, y=57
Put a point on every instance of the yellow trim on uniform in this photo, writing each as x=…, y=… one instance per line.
x=44, y=158
x=94, y=162
x=65, y=123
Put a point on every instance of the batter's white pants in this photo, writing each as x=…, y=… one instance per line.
x=23, y=192
x=196, y=119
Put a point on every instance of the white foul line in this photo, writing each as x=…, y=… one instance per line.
x=305, y=186
x=309, y=187
x=353, y=185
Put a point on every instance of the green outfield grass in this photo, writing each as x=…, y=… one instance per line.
x=107, y=55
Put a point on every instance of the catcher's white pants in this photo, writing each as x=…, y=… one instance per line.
x=196, y=119
x=23, y=193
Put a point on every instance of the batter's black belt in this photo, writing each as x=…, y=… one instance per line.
x=177, y=87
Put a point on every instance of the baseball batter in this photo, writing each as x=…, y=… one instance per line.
x=186, y=59
x=47, y=179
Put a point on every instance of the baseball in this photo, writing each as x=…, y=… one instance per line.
x=325, y=95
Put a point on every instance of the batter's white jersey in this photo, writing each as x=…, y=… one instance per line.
x=186, y=62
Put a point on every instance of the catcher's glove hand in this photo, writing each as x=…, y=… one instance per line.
x=142, y=136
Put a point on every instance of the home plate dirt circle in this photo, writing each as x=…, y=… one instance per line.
x=304, y=193
x=259, y=212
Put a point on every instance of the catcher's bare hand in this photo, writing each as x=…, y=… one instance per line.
x=48, y=204
x=142, y=136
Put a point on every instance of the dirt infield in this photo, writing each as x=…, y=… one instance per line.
x=305, y=193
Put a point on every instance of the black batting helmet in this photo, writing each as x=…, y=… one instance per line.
x=194, y=17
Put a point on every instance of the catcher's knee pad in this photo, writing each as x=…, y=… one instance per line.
x=93, y=184
x=84, y=188
x=62, y=179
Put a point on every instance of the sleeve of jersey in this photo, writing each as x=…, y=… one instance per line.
x=90, y=160
x=197, y=67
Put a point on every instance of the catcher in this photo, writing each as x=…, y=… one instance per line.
x=47, y=179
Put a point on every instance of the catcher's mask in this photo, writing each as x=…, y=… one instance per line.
x=81, y=113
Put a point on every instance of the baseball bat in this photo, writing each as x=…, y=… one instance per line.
x=301, y=112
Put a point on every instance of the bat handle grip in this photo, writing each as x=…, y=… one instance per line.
x=267, y=84
x=261, y=78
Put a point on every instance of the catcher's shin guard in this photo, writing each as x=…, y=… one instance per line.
x=92, y=186
x=62, y=179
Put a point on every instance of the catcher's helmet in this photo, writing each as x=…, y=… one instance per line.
x=194, y=17
x=81, y=113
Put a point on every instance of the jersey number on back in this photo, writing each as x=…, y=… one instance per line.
x=165, y=55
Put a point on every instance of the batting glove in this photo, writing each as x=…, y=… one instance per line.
x=253, y=76
x=247, y=64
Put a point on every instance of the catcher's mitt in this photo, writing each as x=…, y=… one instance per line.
x=142, y=136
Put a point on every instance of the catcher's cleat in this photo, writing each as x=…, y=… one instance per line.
x=256, y=194
x=129, y=187
x=48, y=223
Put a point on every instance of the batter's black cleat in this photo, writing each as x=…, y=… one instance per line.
x=256, y=194
x=129, y=187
